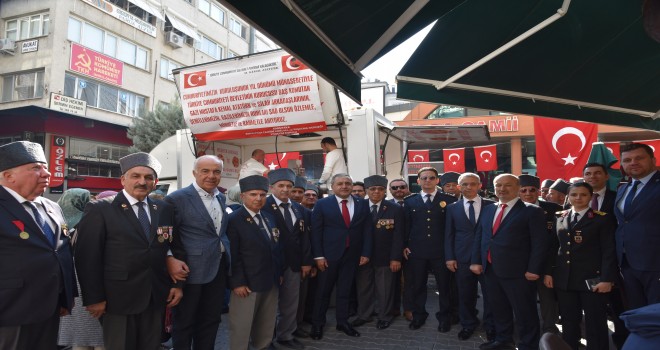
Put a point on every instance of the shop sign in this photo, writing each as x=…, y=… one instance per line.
x=96, y=65
x=30, y=46
x=123, y=16
x=504, y=124
x=67, y=104
x=413, y=167
x=93, y=159
x=57, y=155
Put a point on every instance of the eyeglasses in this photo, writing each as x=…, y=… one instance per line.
x=530, y=190
x=428, y=178
x=402, y=187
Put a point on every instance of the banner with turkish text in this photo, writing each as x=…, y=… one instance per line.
x=454, y=159
x=615, y=148
x=420, y=155
x=562, y=147
x=486, y=158
x=655, y=145
x=280, y=160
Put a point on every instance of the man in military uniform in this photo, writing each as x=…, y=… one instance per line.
x=298, y=189
x=449, y=183
x=529, y=192
x=424, y=247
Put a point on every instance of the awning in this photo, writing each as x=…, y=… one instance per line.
x=339, y=38
x=183, y=27
x=152, y=9
x=596, y=63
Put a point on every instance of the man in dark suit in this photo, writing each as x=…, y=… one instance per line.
x=36, y=265
x=399, y=190
x=376, y=278
x=342, y=239
x=637, y=235
x=424, y=247
x=256, y=268
x=462, y=219
x=510, y=247
x=200, y=239
x=292, y=221
x=120, y=259
x=529, y=193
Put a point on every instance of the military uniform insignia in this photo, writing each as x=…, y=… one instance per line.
x=550, y=223
x=276, y=235
x=161, y=239
x=597, y=212
x=274, y=206
x=164, y=233
x=24, y=235
x=248, y=220
x=21, y=227
x=578, y=236
x=65, y=229
x=443, y=204
x=155, y=207
x=124, y=206
x=301, y=222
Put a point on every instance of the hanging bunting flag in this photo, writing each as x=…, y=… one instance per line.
x=454, y=159
x=486, y=157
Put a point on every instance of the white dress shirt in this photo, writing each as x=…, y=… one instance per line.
x=334, y=164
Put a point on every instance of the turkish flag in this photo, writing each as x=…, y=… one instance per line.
x=562, y=147
x=655, y=145
x=194, y=79
x=271, y=159
x=454, y=159
x=614, y=147
x=418, y=156
x=486, y=157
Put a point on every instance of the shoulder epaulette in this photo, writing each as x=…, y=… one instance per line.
x=410, y=195
x=562, y=213
x=601, y=213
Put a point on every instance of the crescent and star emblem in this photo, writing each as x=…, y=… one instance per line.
x=457, y=158
x=421, y=158
x=197, y=79
x=490, y=155
x=292, y=63
x=566, y=131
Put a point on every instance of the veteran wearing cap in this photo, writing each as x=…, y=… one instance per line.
x=545, y=188
x=310, y=197
x=120, y=258
x=256, y=268
x=36, y=268
x=298, y=190
x=558, y=191
x=449, y=183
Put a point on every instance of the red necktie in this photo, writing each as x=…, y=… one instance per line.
x=496, y=226
x=347, y=217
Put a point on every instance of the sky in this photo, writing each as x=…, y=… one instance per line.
x=388, y=66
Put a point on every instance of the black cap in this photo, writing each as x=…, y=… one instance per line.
x=448, y=177
x=560, y=186
x=281, y=174
x=20, y=152
x=547, y=183
x=375, y=180
x=253, y=182
x=301, y=182
x=529, y=180
x=139, y=159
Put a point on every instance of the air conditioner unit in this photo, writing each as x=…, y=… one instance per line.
x=7, y=46
x=173, y=39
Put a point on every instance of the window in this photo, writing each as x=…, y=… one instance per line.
x=27, y=27
x=211, y=48
x=212, y=10
x=166, y=67
x=108, y=97
x=135, y=10
x=99, y=40
x=22, y=86
x=231, y=54
x=238, y=28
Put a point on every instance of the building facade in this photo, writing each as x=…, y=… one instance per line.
x=95, y=65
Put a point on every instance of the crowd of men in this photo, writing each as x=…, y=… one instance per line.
x=281, y=255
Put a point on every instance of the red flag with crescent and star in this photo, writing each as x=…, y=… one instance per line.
x=655, y=145
x=454, y=159
x=562, y=147
x=271, y=159
x=615, y=148
x=486, y=157
x=416, y=156
x=194, y=79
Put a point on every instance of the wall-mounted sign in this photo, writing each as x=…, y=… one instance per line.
x=123, y=16
x=30, y=46
x=96, y=65
x=56, y=167
x=67, y=104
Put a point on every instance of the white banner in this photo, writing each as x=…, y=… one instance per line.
x=263, y=95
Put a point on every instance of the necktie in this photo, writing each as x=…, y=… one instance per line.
x=144, y=219
x=472, y=215
x=428, y=201
x=400, y=203
x=48, y=232
x=594, y=201
x=496, y=226
x=374, y=212
x=630, y=196
x=260, y=223
x=347, y=218
x=576, y=218
x=287, y=216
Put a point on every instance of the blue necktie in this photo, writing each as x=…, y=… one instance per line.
x=43, y=224
x=374, y=212
x=144, y=219
x=630, y=196
x=472, y=215
x=262, y=226
x=429, y=203
x=287, y=216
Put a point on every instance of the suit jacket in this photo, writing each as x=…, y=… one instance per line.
x=329, y=232
x=425, y=228
x=459, y=232
x=586, y=251
x=116, y=262
x=520, y=244
x=638, y=234
x=296, y=246
x=32, y=271
x=195, y=239
x=388, y=234
x=608, y=203
x=256, y=259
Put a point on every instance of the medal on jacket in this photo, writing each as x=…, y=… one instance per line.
x=21, y=227
x=578, y=236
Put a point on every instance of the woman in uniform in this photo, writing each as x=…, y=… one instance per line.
x=582, y=268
